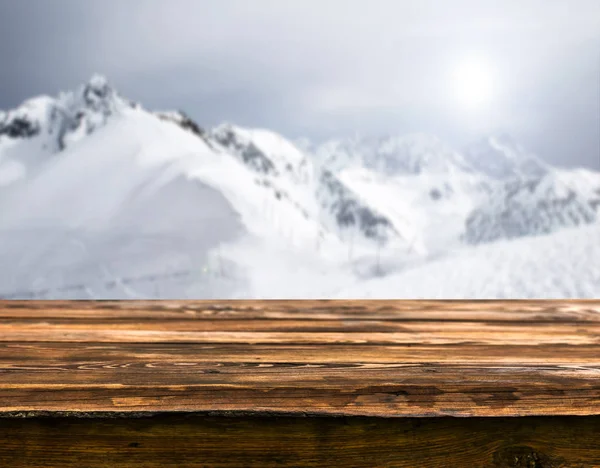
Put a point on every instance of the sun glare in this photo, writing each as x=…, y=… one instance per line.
x=473, y=84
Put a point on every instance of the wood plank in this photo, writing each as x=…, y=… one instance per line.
x=385, y=391
x=507, y=310
x=303, y=332
x=456, y=362
x=13, y=326
x=135, y=354
x=192, y=441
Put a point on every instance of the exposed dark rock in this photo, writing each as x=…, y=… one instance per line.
x=249, y=153
x=19, y=127
x=350, y=212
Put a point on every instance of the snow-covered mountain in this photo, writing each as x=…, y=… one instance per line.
x=101, y=198
x=419, y=183
x=95, y=187
x=500, y=157
x=45, y=129
x=45, y=125
x=524, y=207
x=310, y=187
x=495, y=189
x=393, y=155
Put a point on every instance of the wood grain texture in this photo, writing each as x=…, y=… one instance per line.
x=192, y=441
x=342, y=358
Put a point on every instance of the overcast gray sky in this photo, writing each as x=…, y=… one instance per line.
x=325, y=68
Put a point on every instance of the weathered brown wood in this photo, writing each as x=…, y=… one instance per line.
x=370, y=358
x=193, y=441
x=68, y=354
x=342, y=332
x=478, y=311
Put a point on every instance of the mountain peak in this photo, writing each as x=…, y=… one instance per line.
x=98, y=81
x=55, y=122
x=97, y=89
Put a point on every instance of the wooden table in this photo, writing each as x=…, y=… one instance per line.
x=300, y=383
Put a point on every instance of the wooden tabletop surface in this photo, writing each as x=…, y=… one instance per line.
x=370, y=358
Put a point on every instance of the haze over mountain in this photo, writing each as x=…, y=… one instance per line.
x=102, y=198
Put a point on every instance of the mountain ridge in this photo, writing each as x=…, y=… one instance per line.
x=91, y=167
